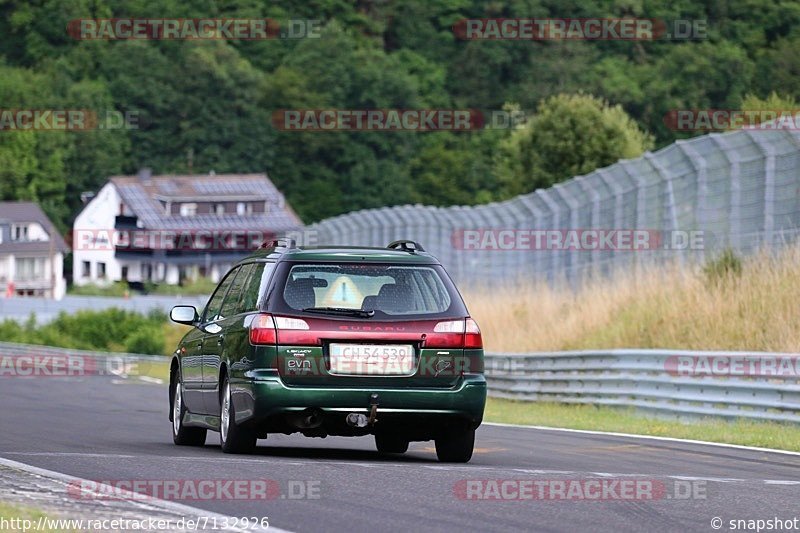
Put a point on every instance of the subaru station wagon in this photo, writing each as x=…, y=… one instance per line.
x=345, y=341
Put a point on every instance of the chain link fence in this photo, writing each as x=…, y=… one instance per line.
x=689, y=201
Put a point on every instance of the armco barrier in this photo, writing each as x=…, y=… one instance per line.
x=756, y=385
x=35, y=361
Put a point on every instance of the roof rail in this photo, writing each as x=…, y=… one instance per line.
x=403, y=244
x=282, y=242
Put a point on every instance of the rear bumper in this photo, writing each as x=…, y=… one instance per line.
x=263, y=395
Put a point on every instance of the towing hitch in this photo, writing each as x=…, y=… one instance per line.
x=358, y=420
x=373, y=409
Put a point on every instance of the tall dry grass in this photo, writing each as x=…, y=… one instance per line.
x=667, y=307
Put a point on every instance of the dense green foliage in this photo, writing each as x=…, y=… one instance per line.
x=109, y=330
x=569, y=135
x=206, y=105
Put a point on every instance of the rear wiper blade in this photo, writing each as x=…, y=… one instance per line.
x=343, y=311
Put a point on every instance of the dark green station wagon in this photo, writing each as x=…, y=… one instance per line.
x=331, y=341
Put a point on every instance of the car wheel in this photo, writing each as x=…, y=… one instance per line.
x=232, y=437
x=182, y=435
x=456, y=446
x=390, y=443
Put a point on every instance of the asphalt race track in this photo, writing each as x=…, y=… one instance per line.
x=97, y=429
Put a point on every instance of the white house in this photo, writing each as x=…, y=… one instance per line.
x=31, y=253
x=166, y=229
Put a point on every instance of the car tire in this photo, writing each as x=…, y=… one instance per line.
x=233, y=438
x=456, y=446
x=390, y=443
x=182, y=435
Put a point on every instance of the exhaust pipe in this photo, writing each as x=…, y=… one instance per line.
x=357, y=420
x=308, y=419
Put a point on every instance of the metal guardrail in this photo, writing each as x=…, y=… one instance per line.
x=755, y=385
x=23, y=360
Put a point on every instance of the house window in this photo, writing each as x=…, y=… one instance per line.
x=86, y=269
x=219, y=209
x=101, y=270
x=188, y=210
x=19, y=232
x=29, y=268
x=244, y=208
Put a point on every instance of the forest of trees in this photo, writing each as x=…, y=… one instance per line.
x=204, y=105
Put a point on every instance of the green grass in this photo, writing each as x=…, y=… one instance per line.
x=198, y=287
x=743, y=432
x=153, y=369
x=117, y=289
x=10, y=511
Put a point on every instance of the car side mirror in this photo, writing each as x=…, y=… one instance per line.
x=184, y=314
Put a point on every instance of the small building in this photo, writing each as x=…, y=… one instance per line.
x=165, y=229
x=31, y=253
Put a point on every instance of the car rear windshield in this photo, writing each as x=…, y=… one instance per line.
x=381, y=291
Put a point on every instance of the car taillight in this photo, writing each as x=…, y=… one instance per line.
x=472, y=336
x=458, y=334
x=451, y=326
x=262, y=330
x=295, y=332
x=285, y=322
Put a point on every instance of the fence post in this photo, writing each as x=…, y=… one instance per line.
x=734, y=237
x=700, y=168
x=667, y=179
x=769, y=185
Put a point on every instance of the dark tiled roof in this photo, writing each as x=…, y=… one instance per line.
x=13, y=212
x=143, y=197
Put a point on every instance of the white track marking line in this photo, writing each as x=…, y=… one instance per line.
x=649, y=437
x=70, y=454
x=154, y=502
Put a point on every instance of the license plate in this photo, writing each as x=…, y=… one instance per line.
x=372, y=359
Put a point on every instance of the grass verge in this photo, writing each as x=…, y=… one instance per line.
x=153, y=369
x=117, y=290
x=599, y=418
x=750, y=305
x=26, y=517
